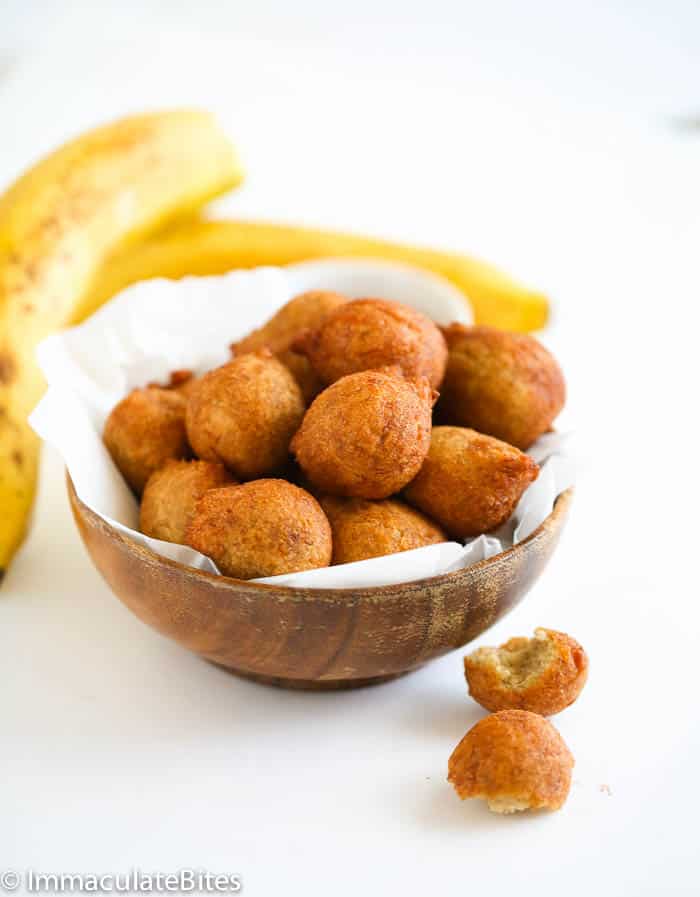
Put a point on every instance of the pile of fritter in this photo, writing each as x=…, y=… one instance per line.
x=315, y=444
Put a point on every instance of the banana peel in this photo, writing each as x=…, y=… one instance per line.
x=203, y=247
x=97, y=195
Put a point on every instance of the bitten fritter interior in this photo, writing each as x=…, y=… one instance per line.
x=544, y=674
x=262, y=528
x=244, y=414
x=514, y=760
x=367, y=435
x=366, y=334
x=470, y=483
x=366, y=529
x=143, y=431
x=171, y=494
x=503, y=384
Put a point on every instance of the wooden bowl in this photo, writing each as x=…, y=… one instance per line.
x=316, y=638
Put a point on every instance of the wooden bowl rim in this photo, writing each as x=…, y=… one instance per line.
x=554, y=519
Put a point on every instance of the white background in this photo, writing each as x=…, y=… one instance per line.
x=554, y=139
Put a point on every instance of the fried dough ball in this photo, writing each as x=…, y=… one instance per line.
x=143, y=431
x=306, y=377
x=543, y=674
x=304, y=311
x=182, y=381
x=367, y=334
x=301, y=312
x=504, y=384
x=367, y=435
x=244, y=414
x=514, y=760
x=368, y=529
x=261, y=528
x=171, y=494
x=470, y=483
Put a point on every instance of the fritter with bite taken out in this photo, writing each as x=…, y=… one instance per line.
x=544, y=674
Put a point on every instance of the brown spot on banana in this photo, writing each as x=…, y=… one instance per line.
x=8, y=368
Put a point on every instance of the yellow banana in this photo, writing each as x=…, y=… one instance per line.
x=58, y=223
x=212, y=247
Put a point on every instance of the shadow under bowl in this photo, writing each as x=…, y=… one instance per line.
x=316, y=638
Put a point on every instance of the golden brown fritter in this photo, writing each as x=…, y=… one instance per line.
x=504, y=384
x=181, y=380
x=143, y=431
x=261, y=528
x=514, y=760
x=244, y=414
x=470, y=483
x=369, y=529
x=366, y=435
x=544, y=674
x=300, y=367
x=367, y=334
x=301, y=312
x=171, y=494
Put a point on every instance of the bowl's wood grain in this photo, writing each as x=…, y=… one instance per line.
x=316, y=638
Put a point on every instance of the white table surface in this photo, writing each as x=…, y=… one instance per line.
x=538, y=136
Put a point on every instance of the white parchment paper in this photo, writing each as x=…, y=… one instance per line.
x=158, y=326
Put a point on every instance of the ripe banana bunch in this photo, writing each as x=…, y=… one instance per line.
x=101, y=193
x=213, y=247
